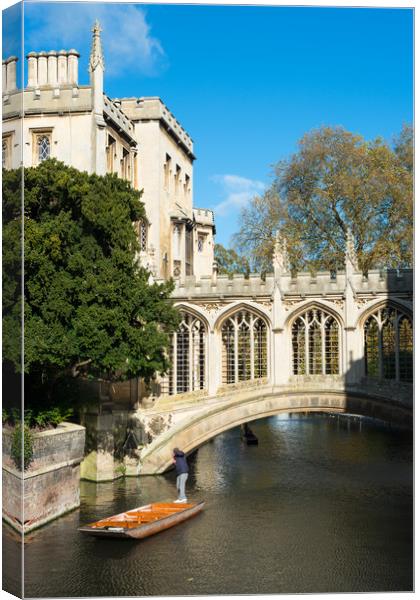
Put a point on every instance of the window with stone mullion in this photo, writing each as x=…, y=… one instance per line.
x=188, y=356
x=389, y=345
x=315, y=344
x=405, y=349
x=260, y=351
x=372, y=347
x=244, y=348
x=228, y=352
x=331, y=346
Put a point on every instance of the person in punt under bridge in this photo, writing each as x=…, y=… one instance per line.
x=181, y=467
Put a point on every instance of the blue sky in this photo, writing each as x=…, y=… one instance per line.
x=246, y=82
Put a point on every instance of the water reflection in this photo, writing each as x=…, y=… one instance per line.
x=322, y=504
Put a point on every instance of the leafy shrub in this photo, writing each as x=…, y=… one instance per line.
x=19, y=444
x=53, y=416
x=38, y=418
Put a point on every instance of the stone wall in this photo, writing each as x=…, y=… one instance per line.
x=49, y=487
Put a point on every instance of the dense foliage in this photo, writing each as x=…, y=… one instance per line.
x=89, y=309
x=336, y=182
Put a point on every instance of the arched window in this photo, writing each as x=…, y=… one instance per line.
x=188, y=356
x=389, y=345
x=244, y=348
x=315, y=343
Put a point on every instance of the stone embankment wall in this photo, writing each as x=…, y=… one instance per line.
x=49, y=487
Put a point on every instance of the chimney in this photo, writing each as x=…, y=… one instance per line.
x=62, y=67
x=73, y=66
x=32, y=69
x=10, y=64
x=52, y=68
x=42, y=68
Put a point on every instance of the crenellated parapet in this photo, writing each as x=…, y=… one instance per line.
x=153, y=109
x=303, y=284
x=222, y=285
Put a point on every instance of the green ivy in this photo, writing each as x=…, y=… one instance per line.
x=18, y=444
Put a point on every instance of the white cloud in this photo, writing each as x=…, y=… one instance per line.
x=238, y=191
x=126, y=36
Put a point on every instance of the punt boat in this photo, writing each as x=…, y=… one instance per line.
x=144, y=521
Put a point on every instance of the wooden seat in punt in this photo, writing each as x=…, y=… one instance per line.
x=143, y=521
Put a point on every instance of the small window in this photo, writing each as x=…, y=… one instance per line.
x=6, y=152
x=166, y=171
x=177, y=178
x=41, y=145
x=111, y=154
x=125, y=164
x=143, y=236
x=186, y=184
x=200, y=242
x=44, y=147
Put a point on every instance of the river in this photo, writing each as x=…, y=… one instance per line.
x=322, y=504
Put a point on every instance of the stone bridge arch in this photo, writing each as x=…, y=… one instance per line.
x=199, y=425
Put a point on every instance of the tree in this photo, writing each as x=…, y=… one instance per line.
x=229, y=261
x=336, y=182
x=89, y=309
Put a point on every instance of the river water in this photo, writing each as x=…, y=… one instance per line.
x=322, y=504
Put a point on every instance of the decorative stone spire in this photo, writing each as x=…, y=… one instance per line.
x=280, y=255
x=96, y=56
x=96, y=69
x=351, y=256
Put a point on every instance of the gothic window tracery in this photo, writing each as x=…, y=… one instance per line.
x=316, y=343
x=244, y=347
x=388, y=336
x=188, y=356
x=44, y=147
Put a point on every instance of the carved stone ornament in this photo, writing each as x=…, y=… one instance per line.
x=212, y=307
x=288, y=304
x=337, y=301
x=362, y=301
x=268, y=303
x=96, y=56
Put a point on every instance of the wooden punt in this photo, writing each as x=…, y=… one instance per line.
x=143, y=521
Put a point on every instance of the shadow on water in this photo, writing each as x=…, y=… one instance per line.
x=336, y=491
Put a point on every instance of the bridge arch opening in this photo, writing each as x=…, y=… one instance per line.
x=196, y=431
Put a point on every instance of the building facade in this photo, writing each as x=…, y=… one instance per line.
x=245, y=346
x=138, y=139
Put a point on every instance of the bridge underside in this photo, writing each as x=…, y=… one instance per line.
x=199, y=424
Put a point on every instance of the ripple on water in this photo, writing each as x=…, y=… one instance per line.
x=317, y=506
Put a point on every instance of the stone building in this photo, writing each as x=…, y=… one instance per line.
x=139, y=139
x=246, y=347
